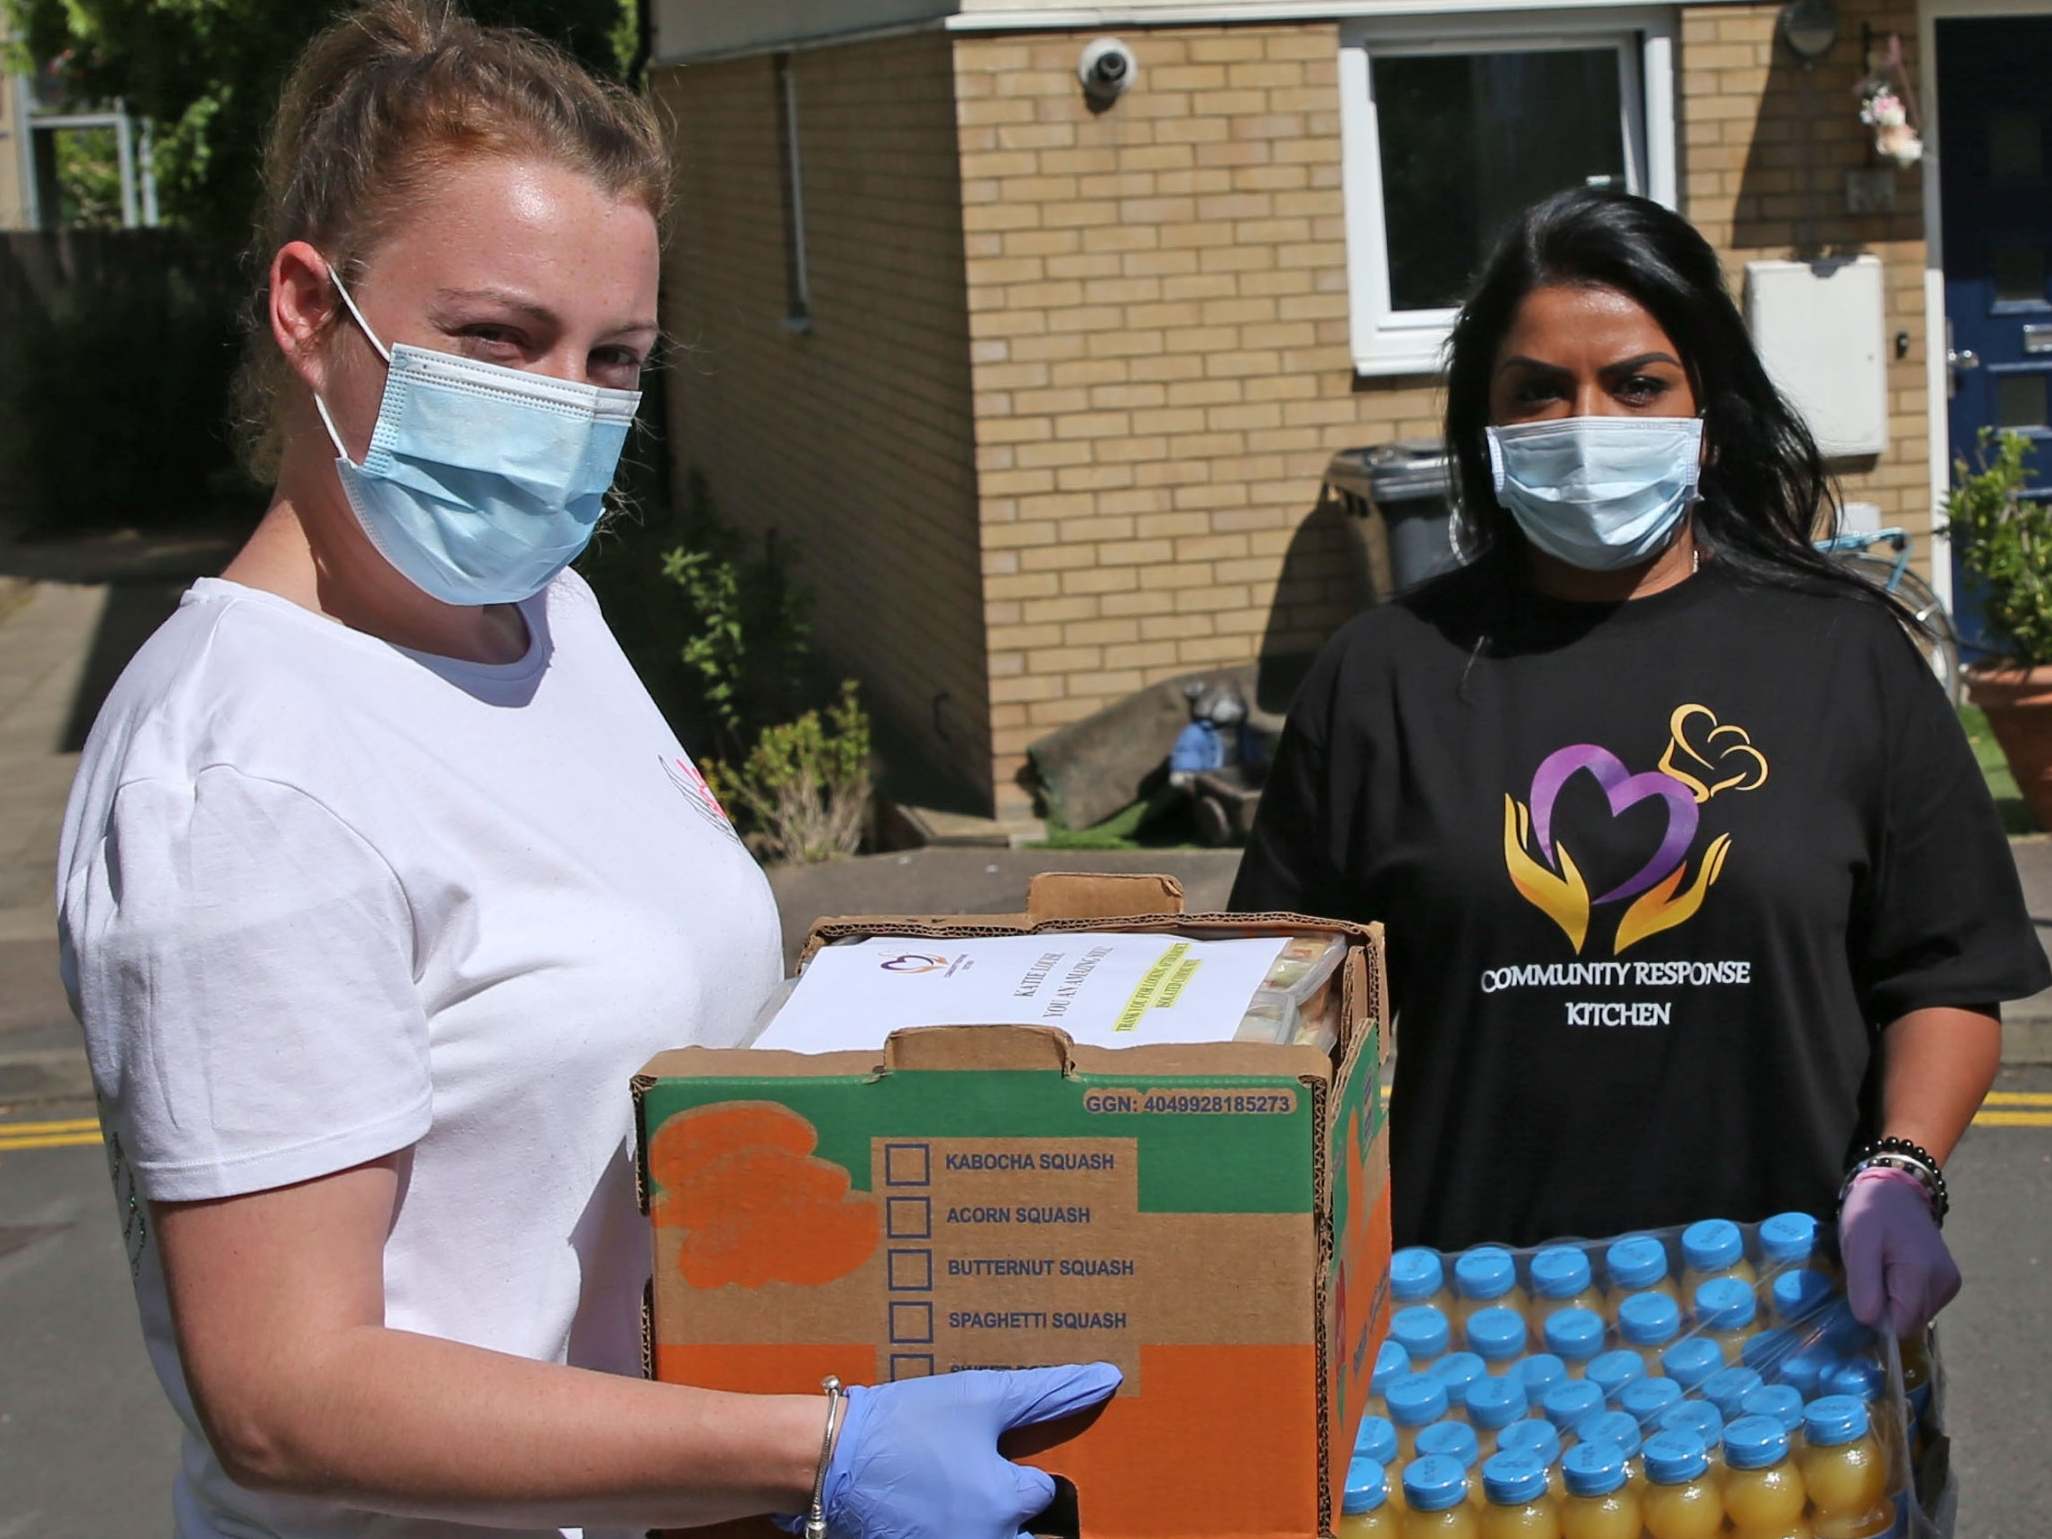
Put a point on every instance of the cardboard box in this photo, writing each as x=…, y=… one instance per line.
x=1214, y=1219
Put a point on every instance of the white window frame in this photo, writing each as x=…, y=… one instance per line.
x=1388, y=341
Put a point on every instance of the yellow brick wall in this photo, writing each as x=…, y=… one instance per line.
x=13, y=212
x=1765, y=148
x=853, y=441
x=1158, y=302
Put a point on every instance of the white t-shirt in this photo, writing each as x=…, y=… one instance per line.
x=323, y=899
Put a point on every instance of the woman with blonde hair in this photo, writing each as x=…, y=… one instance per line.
x=382, y=874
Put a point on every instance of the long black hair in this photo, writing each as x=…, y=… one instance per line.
x=1766, y=494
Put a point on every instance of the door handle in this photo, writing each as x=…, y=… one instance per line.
x=1962, y=358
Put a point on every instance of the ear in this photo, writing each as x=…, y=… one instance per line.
x=302, y=305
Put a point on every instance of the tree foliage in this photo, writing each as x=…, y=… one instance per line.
x=207, y=73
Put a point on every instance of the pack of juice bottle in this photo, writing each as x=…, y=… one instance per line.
x=1705, y=1382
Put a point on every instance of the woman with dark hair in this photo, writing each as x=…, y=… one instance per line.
x=1697, y=904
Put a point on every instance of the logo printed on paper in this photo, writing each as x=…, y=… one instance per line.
x=914, y=962
x=1703, y=758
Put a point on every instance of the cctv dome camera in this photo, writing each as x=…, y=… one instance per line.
x=1107, y=69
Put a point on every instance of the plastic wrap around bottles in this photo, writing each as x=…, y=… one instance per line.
x=1703, y=1379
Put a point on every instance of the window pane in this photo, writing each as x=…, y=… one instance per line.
x=2020, y=400
x=2019, y=271
x=2015, y=147
x=1469, y=139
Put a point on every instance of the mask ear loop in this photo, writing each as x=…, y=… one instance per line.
x=320, y=405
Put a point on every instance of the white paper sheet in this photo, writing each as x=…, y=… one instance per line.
x=1103, y=990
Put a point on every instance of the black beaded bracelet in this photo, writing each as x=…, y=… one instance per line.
x=1904, y=1155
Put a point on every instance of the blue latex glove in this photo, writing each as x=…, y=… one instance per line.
x=918, y=1459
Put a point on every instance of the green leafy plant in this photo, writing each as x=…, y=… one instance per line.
x=2006, y=541
x=88, y=179
x=750, y=639
x=803, y=790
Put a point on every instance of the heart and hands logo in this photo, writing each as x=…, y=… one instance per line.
x=1703, y=759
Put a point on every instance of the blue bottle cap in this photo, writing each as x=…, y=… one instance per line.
x=1512, y=1479
x=1540, y=1372
x=1755, y=1443
x=1496, y=1403
x=1415, y=1274
x=1534, y=1436
x=1692, y=1361
x=1421, y=1330
x=1367, y=1486
x=1451, y=1440
x=1486, y=1272
x=1612, y=1371
x=1803, y=1371
x=1614, y=1427
x=1435, y=1484
x=1764, y=1351
x=1674, y=1457
x=1778, y=1401
x=1560, y=1272
x=1728, y=1386
x=1845, y=1335
x=1724, y=1304
x=1567, y=1405
x=1699, y=1417
x=1496, y=1334
x=1390, y=1361
x=1648, y=1319
x=1415, y=1399
x=1644, y=1399
x=1712, y=1245
x=1575, y=1335
x=1861, y=1377
x=1376, y=1440
x=1788, y=1239
x=1593, y=1469
x=1637, y=1261
x=1801, y=1293
x=1457, y=1370
x=1833, y=1420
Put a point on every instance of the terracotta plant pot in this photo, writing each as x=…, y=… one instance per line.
x=2018, y=703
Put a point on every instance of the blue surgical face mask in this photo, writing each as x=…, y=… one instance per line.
x=481, y=482
x=1599, y=493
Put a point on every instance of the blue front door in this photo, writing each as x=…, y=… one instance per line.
x=1995, y=169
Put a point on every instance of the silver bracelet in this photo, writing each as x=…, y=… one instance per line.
x=815, y=1516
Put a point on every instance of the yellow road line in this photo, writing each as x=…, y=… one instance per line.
x=2014, y=1119
x=2020, y=1098
x=66, y=1125
x=49, y=1141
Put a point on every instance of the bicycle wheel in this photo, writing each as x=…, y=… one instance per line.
x=1934, y=633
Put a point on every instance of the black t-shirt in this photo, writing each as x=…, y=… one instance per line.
x=1654, y=875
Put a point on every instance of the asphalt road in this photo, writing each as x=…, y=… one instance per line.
x=87, y=1445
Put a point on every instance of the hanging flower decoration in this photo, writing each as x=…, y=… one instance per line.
x=1889, y=109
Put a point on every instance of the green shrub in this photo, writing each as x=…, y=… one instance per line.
x=719, y=631
x=2006, y=541
x=803, y=790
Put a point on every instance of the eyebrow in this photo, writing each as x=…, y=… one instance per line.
x=1520, y=361
x=535, y=310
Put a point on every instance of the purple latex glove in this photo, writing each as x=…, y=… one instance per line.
x=1897, y=1269
x=918, y=1459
